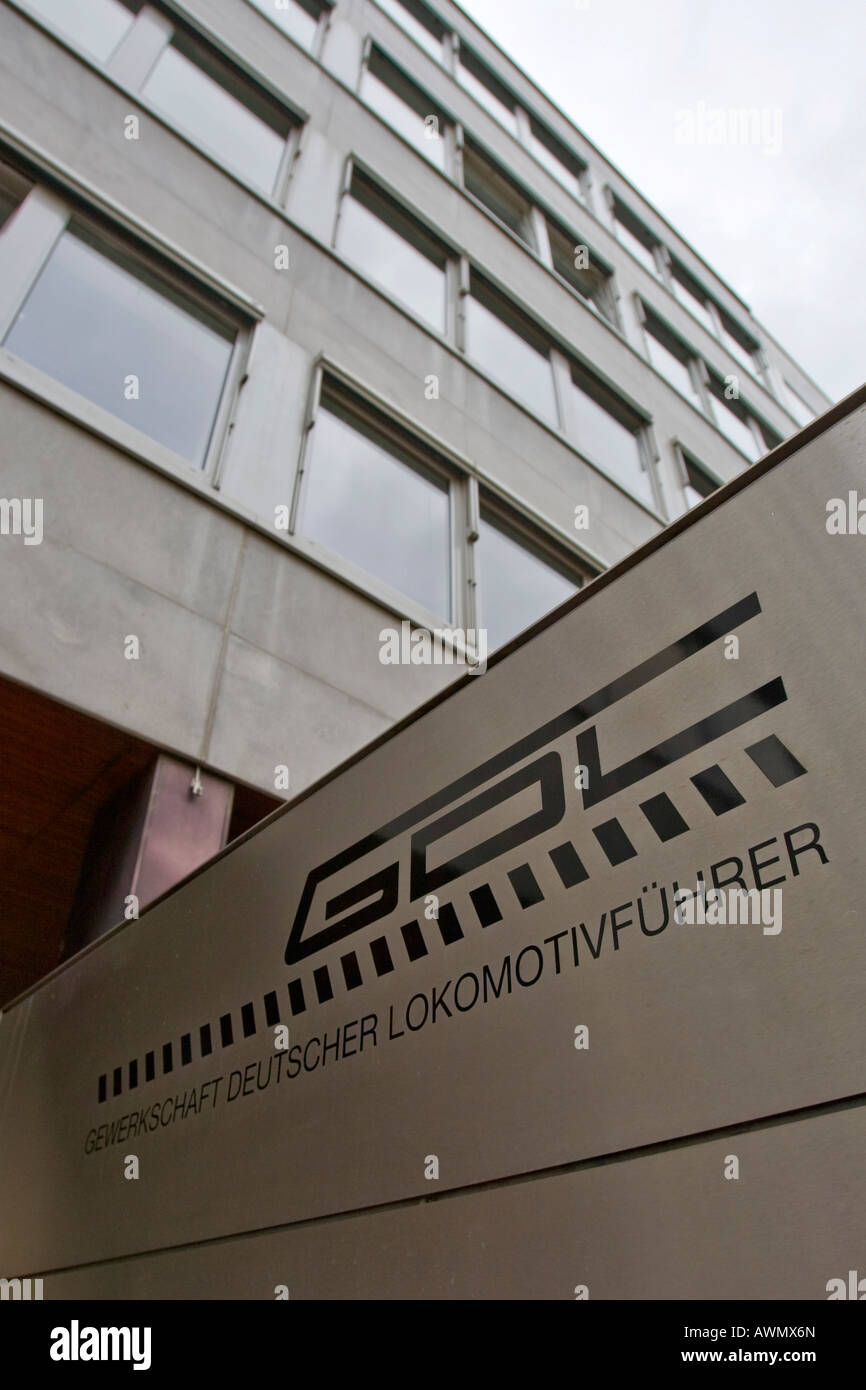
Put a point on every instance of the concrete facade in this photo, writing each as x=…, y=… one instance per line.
x=259, y=648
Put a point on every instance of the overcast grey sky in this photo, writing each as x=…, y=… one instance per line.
x=785, y=229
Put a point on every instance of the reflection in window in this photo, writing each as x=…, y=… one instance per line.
x=555, y=157
x=517, y=587
x=91, y=323
x=692, y=297
x=367, y=499
x=384, y=242
x=96, y=25
x=13, y=190
x=641, y=249
x=498, y=194
x=417, y=20
x=797, y=407
x=736, y=345
x=506, y=346
x=671, y=360
x=249, y=135
x=592, y=280
x=404, y=107
x=603, y=436
x=298, y=18
x=732, y=419
x=487, y=89
x=699, y=484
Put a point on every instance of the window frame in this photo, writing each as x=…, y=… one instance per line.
x=499, y=303
x=765, y=435
x=630, y=418
x=237, y=82
x=686, y=459
x=324, y=9
x=158, y=268
x=498, y=89
x=538, y=542
x=373, y=51
x=431, y=22
x=410, y=446
x=599, y=269
x=489, y=165
x=419, y=232
x=654, y=326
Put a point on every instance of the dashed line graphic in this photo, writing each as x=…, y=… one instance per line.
x=607, y=842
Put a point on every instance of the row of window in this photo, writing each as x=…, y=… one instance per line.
x=395, y=251
x=118, y=329
x=251, y=131
x=701, y=384
x=473, y=74
x=572, y=172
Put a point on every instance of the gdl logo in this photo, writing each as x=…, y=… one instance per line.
x=362, y=884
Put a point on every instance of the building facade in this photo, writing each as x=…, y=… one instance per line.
x=317, y=320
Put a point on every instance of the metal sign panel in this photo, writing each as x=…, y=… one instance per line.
x=470, y=933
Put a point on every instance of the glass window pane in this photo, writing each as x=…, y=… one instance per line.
x=388, y=518
x=404, y=119
x=737, y=350
x=672, y=368
x=612, y=445
x=291, y=17
x=510, y=359
x=498, y=195
x=517, y=588
x=215, y=118
x=636, y=247
x=737, y=430
x=554, y=166
x=420, y=33
x=591, y=282
x=96, y=25
x=801, y=412
x=91, y=324
x=695, y=306
x=393, y=262
x=489, y=99
x=699, y=484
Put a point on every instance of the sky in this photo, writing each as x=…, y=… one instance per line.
x=780, y=217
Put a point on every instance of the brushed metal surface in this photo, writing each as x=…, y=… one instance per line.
x=691, y=1028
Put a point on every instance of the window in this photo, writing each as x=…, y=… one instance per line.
x=692, y=296
x=510, y=348
x=609, y=434
x=670, y=357
x=487, y=89
x=516, y=585
x=13, y=190
x=94, y=322
x=297, y=18
x=96, y=25
x=593, y=281
x=404, y=107
x=220, y=109
x=733, y=419
x=558, y=160
x=801, y=412
x=417, y=20
x=635, y=237
x=388, y=245
x=499, y=195
x=698, y=483
x=737, y=342
x=370, y=497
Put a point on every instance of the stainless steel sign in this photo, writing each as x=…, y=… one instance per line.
x=460, y=959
